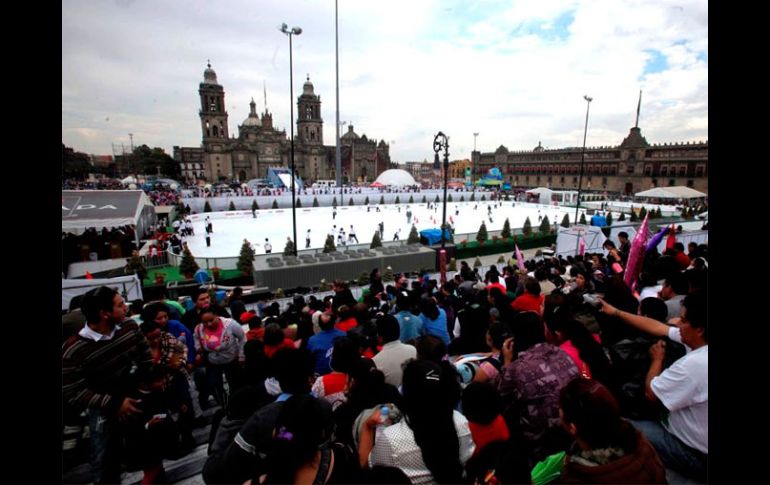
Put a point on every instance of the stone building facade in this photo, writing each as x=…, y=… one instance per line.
x=260, y=146
x=632, y=166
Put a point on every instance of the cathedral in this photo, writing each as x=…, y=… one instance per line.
x=260, y=146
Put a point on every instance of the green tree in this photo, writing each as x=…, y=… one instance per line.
x=366, y=202
x=246, y=258
x=363, y=278
x=527, y=230
x=582, y=218
x=299, y=203
x=506, y=233
x=462, y=198
x=315, y=201
x=231, y=207
x=350, y=202
x=188, y=266
x=658, y=213
x=275, y=204
x=398, y=200
x=609, y=218
x=452, y=266
x=75, y=164
x=501, y=259
x=289, y=248
x=473, y=196
x=376, y=241
x=483, y=198
x=414, y=237
x=482, y=235
x=437, y=199
x=477, y=263
x=207, y=207
x=449, y=198
x=565, y=221
x=388, y=274
x=545, y=226
x=411, y=199
x=424, y=200
x=382, y=199
x=135, y=265
x=329, y=246
x=642, y=213
x=622, y=217
x=324, y=285
x=633, y=217
x=254, y=205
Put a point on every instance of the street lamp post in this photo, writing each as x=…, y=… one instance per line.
x=442, y=141
x=582, y=160
x=289, y=33
x=338, y=150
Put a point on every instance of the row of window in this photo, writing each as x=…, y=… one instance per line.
x=673, y=170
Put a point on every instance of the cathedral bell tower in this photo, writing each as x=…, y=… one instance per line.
x=309, y=122
x=212, y=113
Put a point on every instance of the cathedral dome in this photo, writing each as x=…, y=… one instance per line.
x=396, y=177
x=307, y=88
x=209, y=76
x=252, y=121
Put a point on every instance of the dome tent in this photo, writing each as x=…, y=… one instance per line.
x=396, y=177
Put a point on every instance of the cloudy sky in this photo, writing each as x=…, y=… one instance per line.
x=513, y=71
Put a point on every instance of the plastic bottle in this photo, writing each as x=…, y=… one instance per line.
x=384, y=415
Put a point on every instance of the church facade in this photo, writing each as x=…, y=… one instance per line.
x=259, y=145
x=633, y=166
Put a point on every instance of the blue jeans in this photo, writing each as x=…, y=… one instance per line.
x=673, y=452
x=105, y=447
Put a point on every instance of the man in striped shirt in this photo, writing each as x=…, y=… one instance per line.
x=96, y=365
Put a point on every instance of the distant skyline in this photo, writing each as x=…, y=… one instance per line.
x=513, y=71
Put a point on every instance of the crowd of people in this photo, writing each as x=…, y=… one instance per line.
x=548, y=369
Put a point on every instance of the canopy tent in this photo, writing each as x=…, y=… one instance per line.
x=543, y=194
x=678, y=192
x=376, y=184
x=128, y=286
x=82, y=209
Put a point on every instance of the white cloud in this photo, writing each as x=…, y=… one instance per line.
x=407, y=70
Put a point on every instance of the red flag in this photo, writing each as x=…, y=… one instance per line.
x=671, y=240
x=89, y=276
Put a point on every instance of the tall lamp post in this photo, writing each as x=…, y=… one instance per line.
x=338, y=150
x=293, y=31
x=442, y=141
x=582, y=160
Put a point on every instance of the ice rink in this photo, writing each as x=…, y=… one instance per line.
x=230, y=228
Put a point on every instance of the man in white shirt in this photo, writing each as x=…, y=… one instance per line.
x=391, y=358
x=682, y=441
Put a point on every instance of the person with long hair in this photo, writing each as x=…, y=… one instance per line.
x=607, y=449
x=432, y=442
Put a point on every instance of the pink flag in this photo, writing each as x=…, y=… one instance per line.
x=636, y=254
x=582, y=247
x=520, y=259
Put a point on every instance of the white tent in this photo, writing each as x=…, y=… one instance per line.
x=81, y=209
x=544, y=194
x=129, y=286
x=396, y=177
x=678, y=192
x=567, y=239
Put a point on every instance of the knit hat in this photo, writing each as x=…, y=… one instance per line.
x=246, y=316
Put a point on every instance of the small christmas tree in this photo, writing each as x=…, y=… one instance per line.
x=642, y=213
x=582, y=218
x=506, y=233
x=659, y=214
x=437, y=199
x=609, y=218
x=477, y=263
x=545, y=226
x=136, y=266
x=254, y=205
x=279, y=293
x=246, y=258
x=324, y=285
x=565, y=221
x=275, y=204
x=363, y=278
x=424, y=200
x=366, y=202
x=382, y=199
x=411, y=199
x=462, y=198
x=449, y=198
x=188, y=266
x=376, y=241
x=350, y=202
x=329, y=246
x=414, y=236
x=207, y=207
x=483, y=198
x=388, y=274
x=334, y=202
x=289, y=248
x=299, y=202
x=633, y=217
x=452, y=266
x=501, y=259
x=398, y=200
x=231, y=207
x=473, y=196
x=527, y=230
x=315, y=201
x=482, y=235
x=622, y=217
